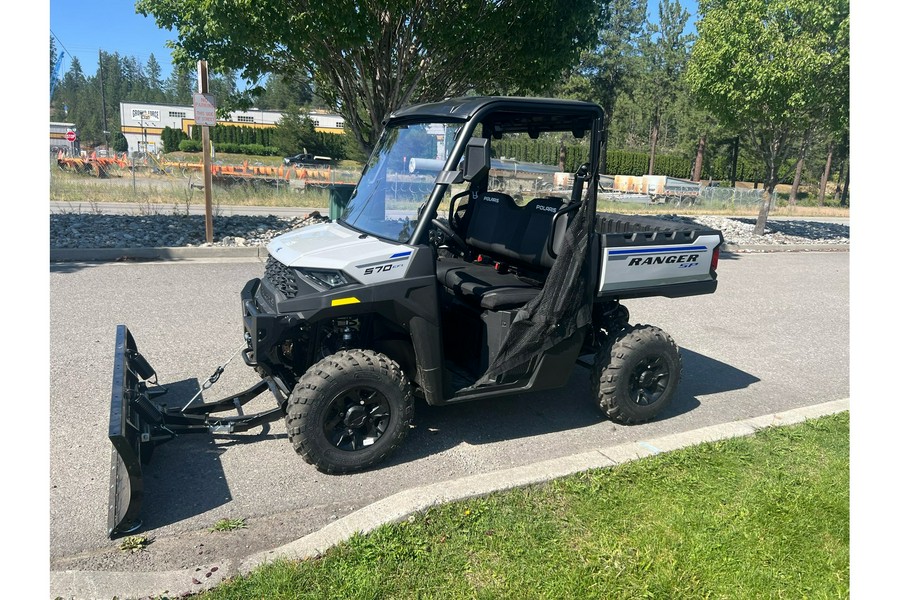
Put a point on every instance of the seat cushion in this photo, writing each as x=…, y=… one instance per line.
x=483, y=286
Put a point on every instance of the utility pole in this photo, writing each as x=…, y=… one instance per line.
x=102, y=98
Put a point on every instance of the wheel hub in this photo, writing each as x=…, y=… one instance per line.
x=646, y=379
x=355, y=417
x=649, y=382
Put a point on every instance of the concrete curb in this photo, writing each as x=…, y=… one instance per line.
x=154, y=254
x=259, y=252
x=96, y=585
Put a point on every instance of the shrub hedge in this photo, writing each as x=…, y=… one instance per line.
x=255, y=141
x=623, y=162
x=190, y=146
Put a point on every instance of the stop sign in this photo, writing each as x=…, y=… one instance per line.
x=70, y=136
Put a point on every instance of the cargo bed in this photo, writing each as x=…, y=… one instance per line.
x=646, y=256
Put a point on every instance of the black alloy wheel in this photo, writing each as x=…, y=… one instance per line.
x=649, y=380
x=349, y=411
x=636, y=373
x=356, y=418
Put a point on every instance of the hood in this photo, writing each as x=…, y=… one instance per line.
x=327, y=246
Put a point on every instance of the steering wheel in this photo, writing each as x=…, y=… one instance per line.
x=452, y=235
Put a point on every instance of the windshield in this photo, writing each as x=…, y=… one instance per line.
x=399, y=179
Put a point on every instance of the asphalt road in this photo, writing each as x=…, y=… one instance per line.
x=775, y=336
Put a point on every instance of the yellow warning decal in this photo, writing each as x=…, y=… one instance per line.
x=343, y=301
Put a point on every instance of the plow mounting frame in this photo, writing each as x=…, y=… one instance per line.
x=138, y=423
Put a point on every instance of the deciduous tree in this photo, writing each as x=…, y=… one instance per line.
x=282, y=91
x=768, y=67
x=296, y=133
x=370, y=57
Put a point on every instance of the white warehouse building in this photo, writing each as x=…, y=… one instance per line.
x=143, y=122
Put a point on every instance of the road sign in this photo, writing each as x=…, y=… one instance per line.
x=70, y=136
x=205, y=109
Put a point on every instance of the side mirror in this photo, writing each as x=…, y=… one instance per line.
x=477, y=160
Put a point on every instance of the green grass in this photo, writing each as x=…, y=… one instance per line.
x=229, y=158
x=226, y=158
x=228, y=525
x=84, y=192
x=134, y=543
x=759, y=517
x=146, y=189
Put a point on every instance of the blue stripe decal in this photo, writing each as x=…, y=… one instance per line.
x=653, y=250
x=399, y=254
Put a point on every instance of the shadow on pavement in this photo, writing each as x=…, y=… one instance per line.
x=570, y=408
x=185, y=477
x=812, y=230
x=703, y=376
x=71, y=267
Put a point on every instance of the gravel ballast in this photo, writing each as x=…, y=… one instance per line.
x=89, y=230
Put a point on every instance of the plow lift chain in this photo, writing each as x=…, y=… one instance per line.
x=194, y=409
x=212, y=379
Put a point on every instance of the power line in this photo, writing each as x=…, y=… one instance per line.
x=60, y=43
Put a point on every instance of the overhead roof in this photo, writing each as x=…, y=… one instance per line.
x=507, y=114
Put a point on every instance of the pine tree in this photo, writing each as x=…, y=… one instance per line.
x=665, y=52
x=606, y=72
x=155, y=91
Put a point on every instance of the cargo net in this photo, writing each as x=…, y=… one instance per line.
x=561, y=308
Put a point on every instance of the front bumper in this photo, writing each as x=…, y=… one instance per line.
x=263, y=330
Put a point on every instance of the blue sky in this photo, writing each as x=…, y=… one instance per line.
x=84, y=27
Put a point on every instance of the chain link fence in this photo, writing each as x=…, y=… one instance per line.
x=729, y=196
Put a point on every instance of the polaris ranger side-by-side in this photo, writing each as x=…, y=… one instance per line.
x=355, y=319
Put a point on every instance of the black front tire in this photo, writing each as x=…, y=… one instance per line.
x=349, y=411
x=636, y=374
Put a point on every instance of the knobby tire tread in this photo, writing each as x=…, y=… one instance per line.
x=300, y=427
x=611, y=362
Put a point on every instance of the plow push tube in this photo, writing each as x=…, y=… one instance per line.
x=137, y=423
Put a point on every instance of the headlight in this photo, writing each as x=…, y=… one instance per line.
x=327, y=279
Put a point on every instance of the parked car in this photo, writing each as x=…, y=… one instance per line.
x=306, y=159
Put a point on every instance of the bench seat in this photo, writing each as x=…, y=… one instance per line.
x=483, y=286
x=514, y=236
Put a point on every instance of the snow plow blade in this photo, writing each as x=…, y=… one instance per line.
x=128, y=426
x=137, y=424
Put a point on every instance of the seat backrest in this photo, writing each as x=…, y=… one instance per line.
x=510, y=233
